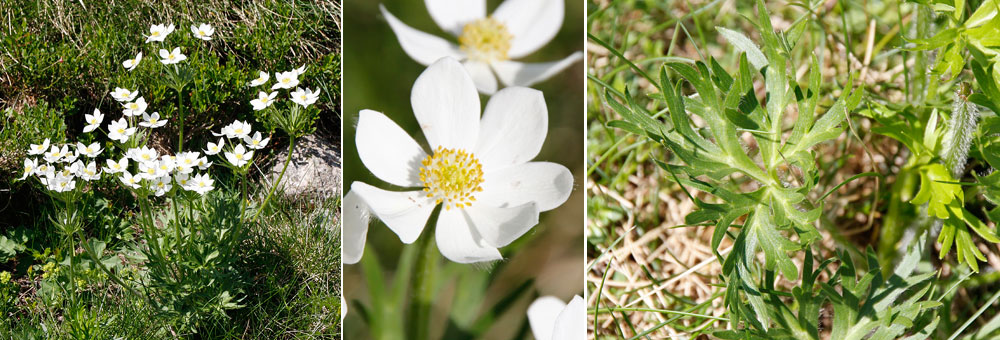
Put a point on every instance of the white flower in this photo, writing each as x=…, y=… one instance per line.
x=152, y=121
x=91, y=150
x=487, y=44
x=203, y=163
x=239, y=157
x=123, y=95
x=237, y=129
x=300, y=71
x=129, y=180
x=159, y=32
x=120, y=131
x=286, y=80
x=89, y=172
x=551, y=319
x=256, y=142
x=30, y=168
x=160, y=185
x=45, y=169
x=56, y=154
x=479, y=169
x=116, y=167
x=260, y=80
x=172, y=57
x=304, y=97
x=150, y=170
x=131, y=64
x=203, y=31
x=263, y=100
x=200, y=183
x=142, y=155
x=186, y=161
x=166, y=164
x=61, y=182
x=93, y=121
x=215, y=148
x=182, y=180
x=38, y=149
x=135, y=108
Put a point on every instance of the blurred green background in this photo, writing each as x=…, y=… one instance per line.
x=378, y=75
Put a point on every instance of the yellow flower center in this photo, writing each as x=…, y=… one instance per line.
x=156, y=34
x=452, y=177
x=200, y=32
x=286, y=80
x=485, y=40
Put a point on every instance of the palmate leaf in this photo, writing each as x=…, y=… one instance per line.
x=938, y=190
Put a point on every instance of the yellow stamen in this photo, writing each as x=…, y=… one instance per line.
x=452, y=177
x=485, y=40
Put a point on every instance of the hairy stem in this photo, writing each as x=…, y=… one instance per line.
x=422, y=286
x=958, y=134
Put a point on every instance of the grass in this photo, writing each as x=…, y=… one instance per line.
x=651, y=273
x=58, y=61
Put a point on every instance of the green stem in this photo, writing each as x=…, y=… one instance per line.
x=288, y=160
x=180, y=115
x=246, y=203
x=422, y=286
x=177, y=220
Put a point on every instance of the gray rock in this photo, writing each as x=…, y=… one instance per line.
x=315, y=170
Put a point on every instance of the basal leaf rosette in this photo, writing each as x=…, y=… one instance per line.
x=486, y=44
x=478, y=170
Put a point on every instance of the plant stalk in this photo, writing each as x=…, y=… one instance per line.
x=274, y=186
x=422, y=286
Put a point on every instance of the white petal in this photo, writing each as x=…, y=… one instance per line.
x=385, y=149
x=518, y=121
x=452, y=15
x=482, y=75
x=459, y=242
x=571, y=324
x=422, y=47
x=547, y=184
x=446, y=104
x=513, y=73
x=501, y=226
x=533, y=23
x=356, y=215
x=404, y=212
x=542, y=314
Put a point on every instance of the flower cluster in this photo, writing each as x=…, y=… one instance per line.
x=283, y=80
x=237, y=155
x=159, y=33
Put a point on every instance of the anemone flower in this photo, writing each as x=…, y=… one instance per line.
x=551, y=319
x=203, y=31
x=131, y=64
x=172, y=57
x=120, y=131
x=239, y=156
x=479, y=168
x=152, y=121
x=304, y=97
x=200, y=183
x=159, y=32
x=135, y=108
x=256, y=142
x=124, y=95
x=260, y=79
x=93, y=121
x=287, y=80
x=214, y=148
x=263, y=100
x=487, y=44
x=116, y=167
x=91, y=150
x=30, y=168
x=38, y=149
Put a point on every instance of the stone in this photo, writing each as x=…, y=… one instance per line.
x=315, y=170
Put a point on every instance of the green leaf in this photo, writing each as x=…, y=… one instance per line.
x=936, y=191
x=744, y=44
